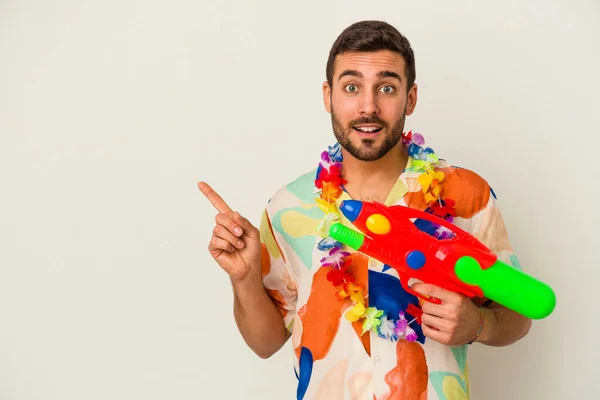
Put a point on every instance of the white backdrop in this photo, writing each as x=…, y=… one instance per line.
x=111, y=111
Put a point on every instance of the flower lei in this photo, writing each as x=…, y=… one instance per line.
x=330, y=182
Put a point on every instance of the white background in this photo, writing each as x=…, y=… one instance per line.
x=111, y=111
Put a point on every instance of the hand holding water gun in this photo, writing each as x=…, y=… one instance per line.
x=461, y=264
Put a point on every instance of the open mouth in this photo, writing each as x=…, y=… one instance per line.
x=368, y=128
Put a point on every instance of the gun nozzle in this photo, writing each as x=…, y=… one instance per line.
x=346, y=235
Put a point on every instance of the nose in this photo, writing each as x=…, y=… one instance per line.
x=369, y=105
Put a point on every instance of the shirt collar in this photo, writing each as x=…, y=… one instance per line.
x=399, y=190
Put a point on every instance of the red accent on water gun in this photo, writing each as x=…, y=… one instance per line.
x=415, y=312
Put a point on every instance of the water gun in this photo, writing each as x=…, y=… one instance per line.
x=460, y=264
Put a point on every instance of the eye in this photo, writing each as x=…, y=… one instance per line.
x=387, y=89
x=351, y=88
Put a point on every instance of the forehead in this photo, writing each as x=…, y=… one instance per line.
x=369, y=63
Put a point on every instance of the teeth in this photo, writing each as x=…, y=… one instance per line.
x=367, y=129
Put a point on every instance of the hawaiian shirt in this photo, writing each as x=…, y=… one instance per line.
x=332, y=360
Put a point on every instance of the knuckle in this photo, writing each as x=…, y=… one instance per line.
x=453, y=311
x=220, y=218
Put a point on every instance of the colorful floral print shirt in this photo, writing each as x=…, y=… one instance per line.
x=332, y=359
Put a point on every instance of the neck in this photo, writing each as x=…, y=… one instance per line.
x=374, y=176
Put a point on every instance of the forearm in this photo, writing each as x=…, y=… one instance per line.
x=258, y=319
x=503, y=326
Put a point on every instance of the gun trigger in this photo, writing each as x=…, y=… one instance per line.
x=433, y=300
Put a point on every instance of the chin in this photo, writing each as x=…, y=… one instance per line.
x=369, y=149
x=368, y=152
x=371, y=156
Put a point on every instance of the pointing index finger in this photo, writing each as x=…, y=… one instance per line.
x=216, y=200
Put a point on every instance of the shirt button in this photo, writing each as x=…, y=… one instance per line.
x=377, y=359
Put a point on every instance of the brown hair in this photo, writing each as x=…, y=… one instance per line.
x=372, y=36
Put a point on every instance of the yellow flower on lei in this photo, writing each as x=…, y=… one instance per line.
x=431, y=180
x=358, y=311
x=325, y=206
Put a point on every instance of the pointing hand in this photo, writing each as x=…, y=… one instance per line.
x=235, y=243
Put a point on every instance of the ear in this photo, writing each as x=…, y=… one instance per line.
x=327, y=96
x=411, y=101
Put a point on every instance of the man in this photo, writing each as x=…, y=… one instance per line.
x=356, y=333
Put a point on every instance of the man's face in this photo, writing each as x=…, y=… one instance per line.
x=368, y=102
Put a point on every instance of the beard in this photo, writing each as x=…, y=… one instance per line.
x=368, y=151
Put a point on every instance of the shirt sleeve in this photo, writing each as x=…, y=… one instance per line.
x=491, y=231
x=277, y=278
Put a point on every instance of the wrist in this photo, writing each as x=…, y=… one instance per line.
x=485, y=335
x=480, y=325
x=249, y=282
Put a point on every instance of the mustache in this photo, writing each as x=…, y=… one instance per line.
x=368, y=120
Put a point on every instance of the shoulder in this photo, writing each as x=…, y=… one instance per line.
x=290, y=209
x=296, y=193
x=469, y=190
x=462, y=178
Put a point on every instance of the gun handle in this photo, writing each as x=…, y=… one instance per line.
x=509, y=287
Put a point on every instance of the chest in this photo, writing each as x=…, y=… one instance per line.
x=370, y=194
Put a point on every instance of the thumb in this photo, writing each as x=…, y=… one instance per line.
x=249, y=229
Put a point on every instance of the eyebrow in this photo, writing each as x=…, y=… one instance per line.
x=350, y=72
x=382, y=74
x=389, y=74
